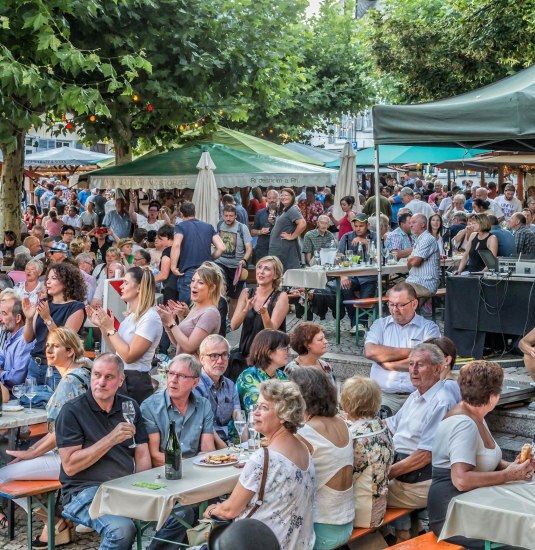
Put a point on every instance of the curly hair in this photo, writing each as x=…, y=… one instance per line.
x=69, y=276
x=479, y=381
x=361, y=397
x=318, y=391
x=302, y=335
x=287, y=400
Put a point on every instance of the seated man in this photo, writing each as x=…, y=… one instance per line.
x=400, y=241
x=318, y=238
x=413, y=429
x=219, y=390
x=389, y=343
x=91, y=433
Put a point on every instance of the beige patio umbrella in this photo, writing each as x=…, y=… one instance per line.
x=205, y=195
x=346, y=183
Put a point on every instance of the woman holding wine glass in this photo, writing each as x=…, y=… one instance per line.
x=64, y=350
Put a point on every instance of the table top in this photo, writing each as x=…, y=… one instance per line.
x=22, y=418
x=503, y=514
x=198, y=484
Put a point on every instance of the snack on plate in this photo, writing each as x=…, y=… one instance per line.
x=525, y=453
x=219, y=459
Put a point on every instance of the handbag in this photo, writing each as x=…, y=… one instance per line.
x=199, y=534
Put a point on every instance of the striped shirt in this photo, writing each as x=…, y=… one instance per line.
x=313, y=241
x=427, y=273
x=398, y=240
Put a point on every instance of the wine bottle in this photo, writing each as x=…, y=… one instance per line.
x=173, y=455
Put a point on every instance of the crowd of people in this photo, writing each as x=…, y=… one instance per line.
x=410, y=435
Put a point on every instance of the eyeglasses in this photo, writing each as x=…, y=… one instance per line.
x=398, y=306
x=216, y=356
x=285, y=348
x=179, y=375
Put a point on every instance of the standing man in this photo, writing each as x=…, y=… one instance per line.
x=318, y=238
x=238, y=251
x=400, y=241
x=241, y=213
x=424, y=261
x=192, y=245
x=415, y=206
x=94, y=446
x=390, y=341
x=524, y=238
x=264, y=221
x=118, y=220
x=508, y=202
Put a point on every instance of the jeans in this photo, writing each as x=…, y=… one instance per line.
x=173, y=530
x=117, y=532
x=183, y=285
x=39, y=373
x=367, y=287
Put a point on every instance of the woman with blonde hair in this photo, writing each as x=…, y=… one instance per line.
x=480, y=239
x=187, y=329
x=138, y=334
x=32, y=286
x=263, y=306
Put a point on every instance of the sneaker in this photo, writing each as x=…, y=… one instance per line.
x=83, y=529
x=362, y=329
x=353, y=330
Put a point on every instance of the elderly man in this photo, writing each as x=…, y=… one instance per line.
x=192, y=414
x=390, y=341
x=318, y=238
x=438, y=192
x=508, y=202
x=94, y=446
x=524, y=238
x=58, y=252
x=483, y=194
x=400, y=241
x=424, y=260
x=118, y=220
x=264, y=221
x=413, y=428
x=33, y=244
x=219, y=390
x=85, y=264
x=15, y=354
x=416, y=206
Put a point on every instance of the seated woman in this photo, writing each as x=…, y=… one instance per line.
x=373, y=452
x=328, y=439
x=448, y=348
x=64, y=350
x=32, y=286
x=289, y=488
x=465, y=455
x=269, y=354
x=308, y=341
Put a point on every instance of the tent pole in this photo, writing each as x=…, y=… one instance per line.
x=379, y=241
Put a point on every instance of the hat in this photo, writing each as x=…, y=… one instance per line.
x=244, y=534
x=59, y=246
x=359, y=217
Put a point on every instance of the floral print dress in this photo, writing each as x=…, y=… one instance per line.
x=248, y=384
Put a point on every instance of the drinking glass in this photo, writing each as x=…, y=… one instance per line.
x=31, y=389
x=19, y=390
x=129, y=414
x=240, y=423
x=446, y=247
x=385, y=252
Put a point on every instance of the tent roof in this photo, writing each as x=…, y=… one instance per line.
x=317, y=153
x=400, y=154
x=65, y=156
x=497, y=116
x=234, y=168
x=491, y=161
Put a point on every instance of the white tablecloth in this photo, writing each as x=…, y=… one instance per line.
x=10, y=420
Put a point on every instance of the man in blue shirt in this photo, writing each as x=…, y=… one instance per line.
x=15, y=355
x=118, y=220
x=506, y=241
x=219, y=390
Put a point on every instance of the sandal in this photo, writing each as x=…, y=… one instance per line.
x=4, y=522
x=65, y=536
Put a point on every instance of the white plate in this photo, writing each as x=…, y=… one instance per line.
x=12, y=408
x=198, y=461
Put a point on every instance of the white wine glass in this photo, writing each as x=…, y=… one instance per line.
x=31, y=389
x=18, y=391
x=240, y=423
x=129, y=414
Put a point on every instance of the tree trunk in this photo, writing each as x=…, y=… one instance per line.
x=123, y=153
x=11, y=187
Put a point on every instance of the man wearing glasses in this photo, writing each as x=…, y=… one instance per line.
x=219, y=390
x=389, y=343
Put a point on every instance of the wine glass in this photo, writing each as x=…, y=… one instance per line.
x=385, y=252
x=129, y=414
x=18, y=391
x=31, y=389
x=240, y=423
x=446, y=247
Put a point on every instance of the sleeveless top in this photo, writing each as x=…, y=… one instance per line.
x=475, y=263
x=253, y=324
x=331, y=506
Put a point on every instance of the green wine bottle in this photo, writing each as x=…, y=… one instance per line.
x=173, y=455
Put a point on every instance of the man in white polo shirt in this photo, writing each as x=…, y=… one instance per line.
x=389, y=343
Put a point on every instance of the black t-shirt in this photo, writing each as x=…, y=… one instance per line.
x=95, y=248
x=82, y=422
x=170, y=282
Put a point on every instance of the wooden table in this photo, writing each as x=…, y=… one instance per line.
x=12, y=421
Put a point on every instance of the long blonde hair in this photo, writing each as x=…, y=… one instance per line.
x=147, y=290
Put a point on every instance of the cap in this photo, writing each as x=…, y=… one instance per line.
x=359, y=217
x=59, y=246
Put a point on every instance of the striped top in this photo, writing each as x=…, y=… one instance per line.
x=426, y=274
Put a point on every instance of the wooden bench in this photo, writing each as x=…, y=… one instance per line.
x=390, y=515
x=36, y=431
x=364, y=303
x=29, y=489
x=439, y=295
x=426, y=542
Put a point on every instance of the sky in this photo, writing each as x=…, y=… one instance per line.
x=313, y=7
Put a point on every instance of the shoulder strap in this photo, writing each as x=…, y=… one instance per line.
x=260, y=499
x=84, y=385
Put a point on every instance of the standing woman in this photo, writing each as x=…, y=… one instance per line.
x=138, y=335
x=187, y=329
x=31, y=218
x=284, y=242
x=480, y=239
x=436, y=228
x=344, y=225
x=63, y=308
x=265, y=306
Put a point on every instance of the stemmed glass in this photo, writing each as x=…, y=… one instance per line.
x=446, y=247
x=129, y=414
x=240, y=423
x=30, y=389
x=385, y=252
x=18, y=391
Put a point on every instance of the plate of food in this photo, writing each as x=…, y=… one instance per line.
x=215, y=461
x=12, y=407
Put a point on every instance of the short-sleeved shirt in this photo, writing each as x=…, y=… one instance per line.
x=196, y=246
x=398, y=240
x=148, y=326
x=314, y=241
x=288, y=252
x=207, y=318
x=234, y=237
x=223, y=399
x=427, y=274
x=89, y=218
x=143, y=223
x=524, y=241
x=508, y=207
x=414, y=426
x=82, y=422
x=386, y=332
x=158, y=412
x=120, y=224
x=417, y=206
x=248, y=384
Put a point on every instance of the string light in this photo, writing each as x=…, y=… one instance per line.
x=135, y=97
x=92, y=118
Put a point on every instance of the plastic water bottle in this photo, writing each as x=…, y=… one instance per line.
x=253, y=435
x=50, y=381
x=317, y=258
x=97, y=349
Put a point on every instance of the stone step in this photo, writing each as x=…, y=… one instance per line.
x=510, y=445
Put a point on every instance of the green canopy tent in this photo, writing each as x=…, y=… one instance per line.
x=317, y=153
x=177, y=169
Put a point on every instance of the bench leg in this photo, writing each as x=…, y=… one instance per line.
x=139, y=535
x=10, y=519
x=51, y=517
x=29, y=527
x=338, y=306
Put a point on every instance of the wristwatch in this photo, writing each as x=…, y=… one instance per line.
x=48, y=323
x=111, y=332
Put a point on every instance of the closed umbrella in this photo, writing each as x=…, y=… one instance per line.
x=346, y=182
x=206, y=196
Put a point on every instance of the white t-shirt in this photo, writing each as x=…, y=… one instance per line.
x=143, y=223
x=508, y=207
x=148, y=326
x=417, y=206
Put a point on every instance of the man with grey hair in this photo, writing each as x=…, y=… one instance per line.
x=219, y=390
x=94, y=439
x=416, y=206
x=413, y=428
x=85, y=264
x=318, y=238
